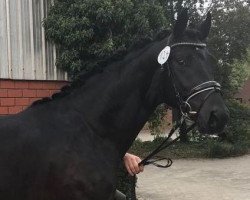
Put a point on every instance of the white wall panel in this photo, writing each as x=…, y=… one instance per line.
x=24, y=52
x=4, y=65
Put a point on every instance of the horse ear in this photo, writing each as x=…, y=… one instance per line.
x=181, y=23
x=205, y=26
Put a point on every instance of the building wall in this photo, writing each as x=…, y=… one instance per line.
x=16, y=95
x=27, y=61
x=244, y=94
x=25, y=53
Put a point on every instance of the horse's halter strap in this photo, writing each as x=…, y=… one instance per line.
x=208, y=86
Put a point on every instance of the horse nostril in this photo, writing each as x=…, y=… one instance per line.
x=217, y=121
x=213, y=122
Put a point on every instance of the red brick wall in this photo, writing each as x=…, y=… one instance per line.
x=16, y=95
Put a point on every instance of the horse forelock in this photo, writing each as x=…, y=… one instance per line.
x=193, y=33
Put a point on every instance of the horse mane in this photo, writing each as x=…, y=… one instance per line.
x=100, y=66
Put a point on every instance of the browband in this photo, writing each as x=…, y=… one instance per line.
x=188, y=44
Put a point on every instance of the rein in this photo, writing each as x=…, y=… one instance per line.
x=184, y=106
x=166, y=143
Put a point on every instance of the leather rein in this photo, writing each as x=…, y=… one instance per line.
x=186, y=109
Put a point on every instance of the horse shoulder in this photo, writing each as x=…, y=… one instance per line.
x=85, y=171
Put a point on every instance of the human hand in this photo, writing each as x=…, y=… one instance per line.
x=131, y=163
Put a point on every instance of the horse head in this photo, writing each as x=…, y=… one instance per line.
x=191, y=68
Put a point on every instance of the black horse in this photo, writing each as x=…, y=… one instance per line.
x=68, y=147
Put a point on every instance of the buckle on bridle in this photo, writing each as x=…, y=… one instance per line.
x=186, y=109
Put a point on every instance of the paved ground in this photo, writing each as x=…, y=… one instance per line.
x=226, y=179
x=145, y=135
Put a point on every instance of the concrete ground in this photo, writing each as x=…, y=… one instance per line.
x=145, y=135
x=216, y=179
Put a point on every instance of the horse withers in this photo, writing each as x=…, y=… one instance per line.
x=68, y=147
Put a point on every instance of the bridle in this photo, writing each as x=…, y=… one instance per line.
x=209, y=86
x=185, y=107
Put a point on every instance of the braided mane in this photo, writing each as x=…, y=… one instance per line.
x=100, y=66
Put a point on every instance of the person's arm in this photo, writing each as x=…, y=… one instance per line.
x=131, y=163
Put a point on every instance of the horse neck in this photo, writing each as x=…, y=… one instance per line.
x=117, y=103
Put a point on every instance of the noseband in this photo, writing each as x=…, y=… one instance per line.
x=209, y=86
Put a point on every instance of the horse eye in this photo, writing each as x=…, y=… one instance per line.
x=181, y=62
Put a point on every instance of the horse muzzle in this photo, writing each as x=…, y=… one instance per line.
x=213, y=116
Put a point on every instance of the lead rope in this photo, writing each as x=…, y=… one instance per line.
x=166, y=143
